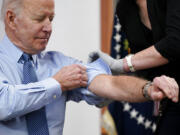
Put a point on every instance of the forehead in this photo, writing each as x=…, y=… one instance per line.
x=39, y=6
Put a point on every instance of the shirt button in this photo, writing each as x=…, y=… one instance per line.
x=54, y=96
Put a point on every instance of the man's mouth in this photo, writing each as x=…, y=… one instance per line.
x=44, y=39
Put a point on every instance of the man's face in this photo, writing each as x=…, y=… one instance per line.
x=33, y=25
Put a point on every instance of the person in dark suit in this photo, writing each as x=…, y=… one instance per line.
x=152, y=28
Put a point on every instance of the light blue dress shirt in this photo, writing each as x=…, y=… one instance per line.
x=17, y=99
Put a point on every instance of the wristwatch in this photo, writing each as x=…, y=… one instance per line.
x=145, y=90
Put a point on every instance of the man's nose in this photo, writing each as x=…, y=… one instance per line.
x=47, y=26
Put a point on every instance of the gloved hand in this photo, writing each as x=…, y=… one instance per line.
x=116, y=66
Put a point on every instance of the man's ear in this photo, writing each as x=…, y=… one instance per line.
x=10, y=19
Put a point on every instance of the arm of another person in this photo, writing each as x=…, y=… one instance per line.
x=161, y=53
x=145, y=59
x=168, y=48
x=129, y=88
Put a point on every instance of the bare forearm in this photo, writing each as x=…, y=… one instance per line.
x=122, y=88
x=145, y=59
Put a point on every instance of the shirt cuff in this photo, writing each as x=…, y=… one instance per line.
x=53, y=89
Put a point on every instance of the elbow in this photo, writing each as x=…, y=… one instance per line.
x=168, y=45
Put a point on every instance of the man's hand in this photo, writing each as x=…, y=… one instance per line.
x=162, y=87
x=73, y=76
x=116, y=66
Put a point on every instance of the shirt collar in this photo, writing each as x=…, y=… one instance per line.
x=13, y=51
x=34, y=57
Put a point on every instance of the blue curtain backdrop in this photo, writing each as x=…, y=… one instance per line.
x=129, y=118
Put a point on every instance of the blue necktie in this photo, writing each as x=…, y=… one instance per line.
x=36, y=120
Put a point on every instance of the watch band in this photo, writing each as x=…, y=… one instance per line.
x=145, y=90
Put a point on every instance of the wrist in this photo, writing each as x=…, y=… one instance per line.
x=117, y=66
x=125, y=66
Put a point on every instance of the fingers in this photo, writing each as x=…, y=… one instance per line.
x=83, y=78
x=157, y=96
x=75, y=68
x=83, y=68
x=73, y=76
x=175, y=87
x=167, y=87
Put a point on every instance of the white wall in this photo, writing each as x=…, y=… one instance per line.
x=1, y=24
x=76, y=33
x=1, y=30
x=76, y=27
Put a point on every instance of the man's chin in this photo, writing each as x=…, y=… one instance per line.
x=43, y=45
x=40, y=49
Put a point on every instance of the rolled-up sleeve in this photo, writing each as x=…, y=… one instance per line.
x=93, y=69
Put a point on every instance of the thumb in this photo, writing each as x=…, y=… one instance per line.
x=157, y=96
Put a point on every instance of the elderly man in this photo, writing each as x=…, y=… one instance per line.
x=35, y=85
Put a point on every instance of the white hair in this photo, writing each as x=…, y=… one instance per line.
x=14, y=5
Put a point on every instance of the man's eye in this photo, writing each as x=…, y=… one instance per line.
x=51, y=18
